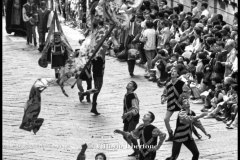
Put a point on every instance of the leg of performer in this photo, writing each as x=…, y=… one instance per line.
x=175, y=150
x=191, y=145
x=34, y=35
x=80, y=87
x=131, y=65
x=125, y=128
x=98, y=82
x=89, y=86
x=167, y=124
x=40, y=40
x=28, y=27
x=30, y=33
x=56, y=73
x=132, y=125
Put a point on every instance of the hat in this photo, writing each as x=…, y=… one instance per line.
x=57, y=34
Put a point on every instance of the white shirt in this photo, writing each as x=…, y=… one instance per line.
x=150, y=35
x=195, y=12
x=25, y=17
x=196, y=45
x=206, y=13
x=235, y=65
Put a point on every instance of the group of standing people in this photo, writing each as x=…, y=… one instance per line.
x=36, y=16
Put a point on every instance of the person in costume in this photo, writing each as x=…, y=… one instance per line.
x=29, y=17
x=14, y=20
x=98, y=66
x=43, y=14
x=57, y=54
x=148, y=135
x=131, y=114
x=183, y=131
x=30, y=121
x=85, y=76
x=173, y=93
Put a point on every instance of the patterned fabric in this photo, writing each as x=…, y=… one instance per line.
x=30, y=121
x=173, y=92
x=183, y=131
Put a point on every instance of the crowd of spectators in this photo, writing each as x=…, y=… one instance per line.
x=202, y=46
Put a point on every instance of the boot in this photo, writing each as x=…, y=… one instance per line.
x=56, y=75
x=40, y=48
x=135, y=153
x=94, y=109
x=88, y=98
x=27, y=41
x=81, y=96
x=35, y=42
x=171, y=137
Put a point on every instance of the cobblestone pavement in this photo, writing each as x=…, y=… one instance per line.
x=68, y=123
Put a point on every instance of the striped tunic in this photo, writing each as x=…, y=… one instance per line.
x=183, y=131
x=172, y=92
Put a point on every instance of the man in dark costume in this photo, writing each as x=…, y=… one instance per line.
x=57, y=54
x=131, y=114
x=148, y=135
x=32, y=109
x=14, y=20
x=43, y=13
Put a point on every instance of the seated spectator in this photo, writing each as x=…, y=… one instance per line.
x=209, y=94
x=228, y=104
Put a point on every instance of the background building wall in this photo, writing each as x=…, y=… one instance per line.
x=215, y=7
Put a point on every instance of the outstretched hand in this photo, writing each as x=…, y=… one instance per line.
x=117, y=131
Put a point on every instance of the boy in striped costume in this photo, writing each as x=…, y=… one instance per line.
x=173, y=93
x=183, y=131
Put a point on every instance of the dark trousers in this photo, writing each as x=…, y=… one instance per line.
x=89, y=84
x=141, y=52
x=190, y=144
x=131, y=65
x=199, y=76
x=41, y=37
x=150, y=156
x=128, y=127
x=98, y=82
x=29, y=32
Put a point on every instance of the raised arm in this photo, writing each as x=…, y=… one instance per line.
x=186, y=119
